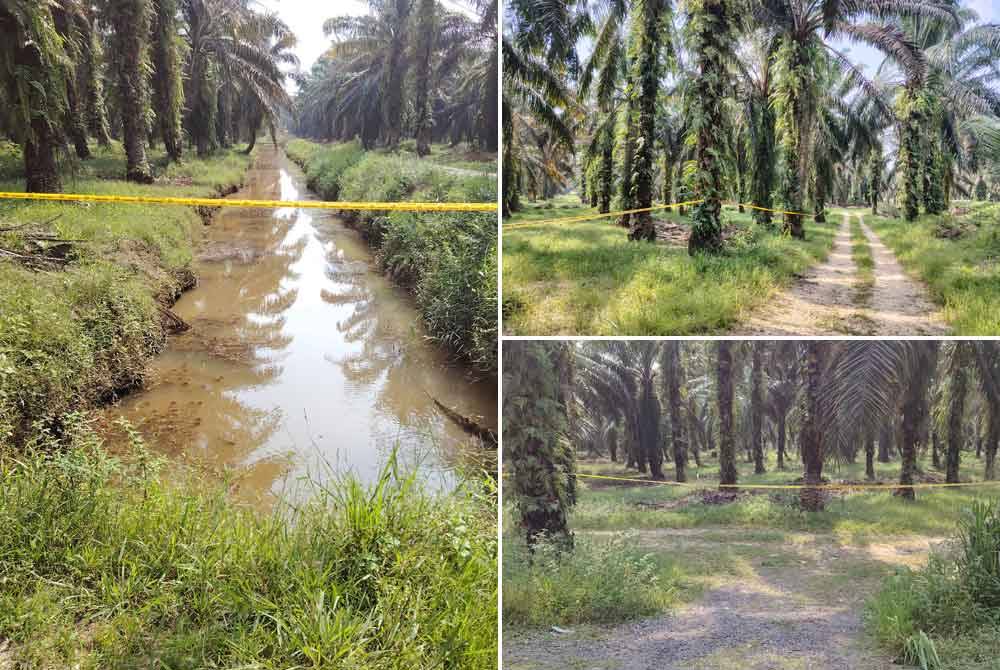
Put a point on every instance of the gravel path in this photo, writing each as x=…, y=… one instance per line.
x=827, y=301
x=899, y=305
x=787, y=615
x=820, y=303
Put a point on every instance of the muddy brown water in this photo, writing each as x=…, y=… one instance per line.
x=302, y=360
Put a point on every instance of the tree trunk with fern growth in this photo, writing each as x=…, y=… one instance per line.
x=648, y=38
x=710, y=36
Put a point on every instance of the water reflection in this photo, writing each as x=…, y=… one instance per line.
x=301, y=359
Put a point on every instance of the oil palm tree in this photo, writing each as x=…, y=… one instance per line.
x=168, y=87
x=34, y=69
x=130, y=22
x=805, y=31
x=225, y=52
x=537, y=394
x=710, y=36
x=672, y=375
x=724, y=390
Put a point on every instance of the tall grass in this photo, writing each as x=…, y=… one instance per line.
x=119, y=565
x=600, y=580
x=947, y=615
x=448, y=260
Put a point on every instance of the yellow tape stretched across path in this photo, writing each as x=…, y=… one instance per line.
x=221, y=202
x=835, y=487
x=589, y=217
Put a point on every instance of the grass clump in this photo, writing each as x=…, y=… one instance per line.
x=958, y=256
x=587, y=278
x=448, y=260
x=104, y=564
x=601, y=580
x=862, y=255
x=947, y=615
x=71, y=337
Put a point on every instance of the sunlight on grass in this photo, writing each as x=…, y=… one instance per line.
x=963, y=273
x=587, y=278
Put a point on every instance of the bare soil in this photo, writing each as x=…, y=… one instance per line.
x=828, y=300
x=791, y=605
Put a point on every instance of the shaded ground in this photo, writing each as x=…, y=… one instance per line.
x=827, y=300
x=792, y=604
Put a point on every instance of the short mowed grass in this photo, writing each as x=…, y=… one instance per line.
x=587, y=278
x=72, y=336
x=957, y=256
x=448, y=260
x=109, y=563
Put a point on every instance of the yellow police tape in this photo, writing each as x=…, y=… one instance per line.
x=589, y=217
x=835, y=487
x=219, y=202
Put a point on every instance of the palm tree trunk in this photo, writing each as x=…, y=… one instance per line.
x=912, y=402
x=757, y=407
x=956, y=409
x=130, y=23
x=606, y=177
x=885, y=443
x=762, y=178
x=169, y=92
x=673, y=370
x=649, y=429
x=724, y=382
x=875, y=168
x=909, y=119
x=870, y=458
x=395, y=75
x=792, y=88
x=422, y=80
x=811, y=499
x=710, y=30
x=42, y=140
x=781, y=441
x=649, y=24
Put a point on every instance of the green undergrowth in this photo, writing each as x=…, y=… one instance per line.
x=587, y=278
x=602, y=580
x=858, y=517
x=448, y=260
x=947, y=614
x=958, y=257
x=108, y=563
x=862, y=255
x=71, y=336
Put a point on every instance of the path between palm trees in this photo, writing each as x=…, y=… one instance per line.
x=828, y=299
x=792, y=604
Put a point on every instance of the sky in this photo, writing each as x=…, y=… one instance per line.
x=306, y=17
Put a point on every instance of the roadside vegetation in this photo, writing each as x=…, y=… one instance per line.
x=586, y=277
x=629, y=105
x=110, y=563
x=447, y=260
x=644, y=455
x=956, y=255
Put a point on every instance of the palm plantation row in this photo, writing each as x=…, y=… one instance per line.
x=198, y=73
x=647, y=403
x=755, y=101
x=411, y=68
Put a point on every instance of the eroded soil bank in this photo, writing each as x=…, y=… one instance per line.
x=301, y=360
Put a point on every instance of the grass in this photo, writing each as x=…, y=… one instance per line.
x=122, y=564
x=858, y=517
x=448, y=260
x=947, y=614
x=69, y=338
x=862, y=255
x=602, y=580
x=587, y=278
x=958, y=257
